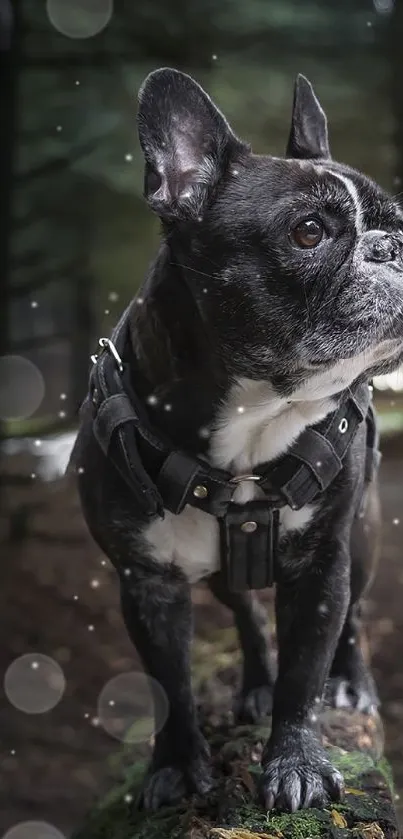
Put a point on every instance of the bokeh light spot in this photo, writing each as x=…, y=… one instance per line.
x=79, y=18
x=34, y=683
x=126, y=705
x=22, y=387
x=33, y=830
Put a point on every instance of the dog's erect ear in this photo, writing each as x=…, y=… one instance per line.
x=308, y=136
x=187, y=143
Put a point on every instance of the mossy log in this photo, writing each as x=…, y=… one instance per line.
x=355, y=744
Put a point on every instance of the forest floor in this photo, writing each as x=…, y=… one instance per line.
x=60, y=598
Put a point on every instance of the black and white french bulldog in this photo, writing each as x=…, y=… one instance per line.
x=278, y=284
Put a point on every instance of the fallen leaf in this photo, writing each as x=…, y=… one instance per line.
x=246, y=779
x=352, y=791
x=369, y=831
x=338, y=819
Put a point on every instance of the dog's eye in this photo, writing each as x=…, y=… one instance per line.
x=308, y=233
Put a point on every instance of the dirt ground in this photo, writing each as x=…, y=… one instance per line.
x=60, y=598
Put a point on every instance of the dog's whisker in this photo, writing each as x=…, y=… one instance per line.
x=194, y=270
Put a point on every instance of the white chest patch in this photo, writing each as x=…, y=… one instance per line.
x=254, y=425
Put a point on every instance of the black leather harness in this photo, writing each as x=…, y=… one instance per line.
x=161, y=477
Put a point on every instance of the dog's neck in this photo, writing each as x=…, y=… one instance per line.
x=192, y=399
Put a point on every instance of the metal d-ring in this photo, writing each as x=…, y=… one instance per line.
x=107, y=344
x=237, y=479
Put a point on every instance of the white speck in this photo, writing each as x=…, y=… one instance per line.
x=127, y=572
x=75, y=596
x=94, y=583
x=318, y=700
x=91, y=627
x=106, y=312
x=351, y=640
x=95, y=721
x=323, y=609
x=63, y=396
x=77, y=83
x=167, y=407
x=58, y=128
x=396, y=521
x=214, y=57
x=34, y=304
x=33, y=475
x=313, y=718
x=111, y=702
x=103, y=561
x=397, y=797
x=139, y=301
x=369, y=23
x=86, y=716
x=205, y=290
x=113, y=296
x=37, y=443
x=62, y=414
x=35, y=665
x=128, y=798
x=152, y=399
x=240, y=409
x=128, y=158
x=235, y=172
x=12, y=752
x=80, y=470
x=318, y=463
x=204, y=432
x=199, y=218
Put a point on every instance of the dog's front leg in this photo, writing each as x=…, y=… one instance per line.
x=157, y=612
x=310, y=616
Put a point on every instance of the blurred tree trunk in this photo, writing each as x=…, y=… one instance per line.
x=9, y=57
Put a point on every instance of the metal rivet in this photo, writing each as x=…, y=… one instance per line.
x=343, y=426
x=200, y=491
x=249, y=526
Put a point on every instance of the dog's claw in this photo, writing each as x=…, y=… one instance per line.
x=300, y=777
x=359, y=694
x=165, y=786
x=169, y=784
x=269, y=799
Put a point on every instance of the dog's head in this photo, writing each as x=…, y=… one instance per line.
x=296, y=263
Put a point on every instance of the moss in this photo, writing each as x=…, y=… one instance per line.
x=383, y=766
x=350, y=764
x=313, y=823
x=299, y=825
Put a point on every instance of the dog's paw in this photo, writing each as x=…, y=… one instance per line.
x=170, y=784
x=359, y=694
x=254, y=705
x=299, y=776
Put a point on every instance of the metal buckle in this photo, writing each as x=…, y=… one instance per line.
x=107, y=344
x=237, y=479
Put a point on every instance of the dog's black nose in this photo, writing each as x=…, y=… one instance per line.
x=381, y=247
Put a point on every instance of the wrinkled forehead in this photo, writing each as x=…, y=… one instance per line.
x=342, y=188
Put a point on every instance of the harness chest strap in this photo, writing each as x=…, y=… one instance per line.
x=248, y=532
